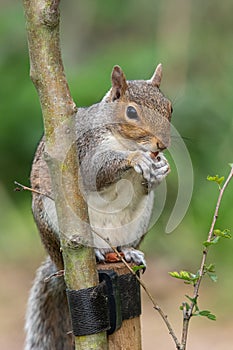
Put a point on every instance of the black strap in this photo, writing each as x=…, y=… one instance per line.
x=103, y=307
x=130, y=296
x=111, y=279
x=89, y=310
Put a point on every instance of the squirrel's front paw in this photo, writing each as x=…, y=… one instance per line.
x=160, y=168
x=153, y=169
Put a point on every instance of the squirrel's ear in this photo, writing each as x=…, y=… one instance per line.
x=119, y=84
x=157, y=76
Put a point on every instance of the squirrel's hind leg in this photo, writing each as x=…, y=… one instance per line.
x=129, y=254
x=134, y=255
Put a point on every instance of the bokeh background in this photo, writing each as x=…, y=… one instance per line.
x=194, y=41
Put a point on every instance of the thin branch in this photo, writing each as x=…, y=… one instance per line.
x=188, y=313
x=59, y=273
x=155, y=304
x=26, y=188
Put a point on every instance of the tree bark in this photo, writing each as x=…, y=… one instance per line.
x=58, y=108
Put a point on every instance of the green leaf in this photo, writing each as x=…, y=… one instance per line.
x=213, y=241
x=186, y=276
x=207, y=313
x=174, y=274
x=138, y=267
x=206, y=243
x=216, y=179
x=185, y=306
x=212, y=276
x=225, y=233
x=204, y=313
x=210, y=268
x=217, y=235
x=193, y=300
x=211, y=317
x=210, y=271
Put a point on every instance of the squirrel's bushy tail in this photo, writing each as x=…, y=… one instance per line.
x=47, y=317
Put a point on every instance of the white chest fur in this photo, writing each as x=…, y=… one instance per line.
x=121, y=212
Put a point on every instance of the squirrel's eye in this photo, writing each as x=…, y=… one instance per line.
x=131, y=113
x=170, y=109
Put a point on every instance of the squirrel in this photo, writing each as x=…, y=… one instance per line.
x=119, y=148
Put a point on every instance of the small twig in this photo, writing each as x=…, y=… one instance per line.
x=155, y=304
x=189, y=313
x=59, y=273
x=25, y=188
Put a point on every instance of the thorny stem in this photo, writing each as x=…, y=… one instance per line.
x=188, y=313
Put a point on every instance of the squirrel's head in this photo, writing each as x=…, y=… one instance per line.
x=144, y=113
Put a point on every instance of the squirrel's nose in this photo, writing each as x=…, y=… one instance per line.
x=160, y=146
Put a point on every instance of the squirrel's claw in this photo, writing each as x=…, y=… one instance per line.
x=160, y=169
x=100, y=254
x=153, y=169
x=128, y=253
x=134, y=255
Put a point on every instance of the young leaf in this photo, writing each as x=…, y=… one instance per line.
x=210, y=268
x=225, y=233
x=185, y=306
x=216, y=179
x=212, y=276
x=206, y=243
x=174, y=274
x=211, y=317
x=186, y=276
x=138, y=267
x=210, y=271
x=193, y=300
x=204, y=313
x=213, y=241
x=207, y=313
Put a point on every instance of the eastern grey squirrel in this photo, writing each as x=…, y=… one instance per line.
x=119, y=147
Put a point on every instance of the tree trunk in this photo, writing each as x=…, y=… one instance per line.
x=58, y=108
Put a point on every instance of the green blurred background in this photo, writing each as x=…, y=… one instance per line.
x=194, y=41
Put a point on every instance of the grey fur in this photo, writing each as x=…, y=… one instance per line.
x=114, y=153
x=47, y=318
